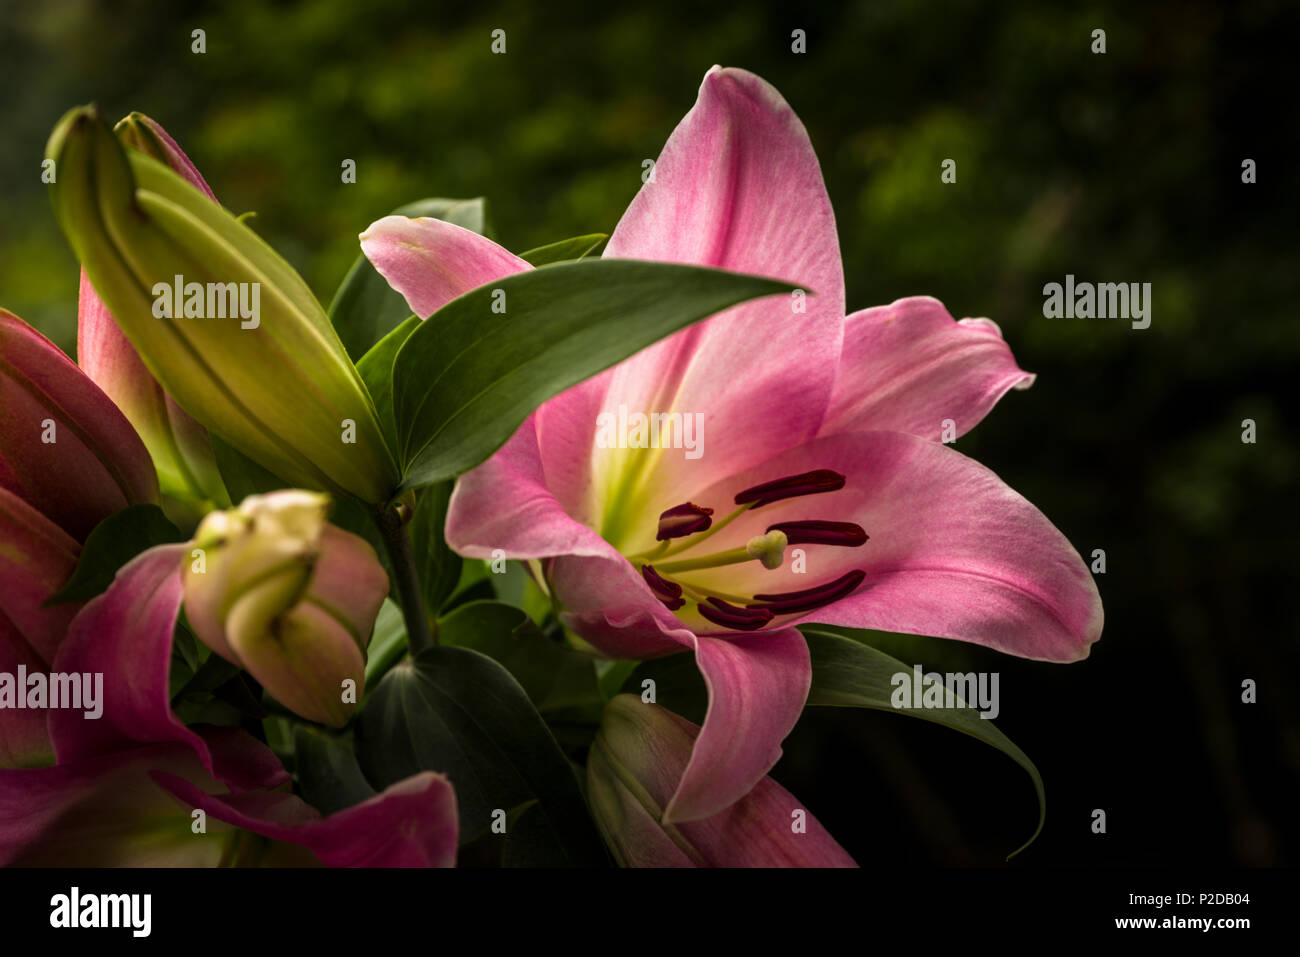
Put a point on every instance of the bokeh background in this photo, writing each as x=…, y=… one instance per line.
x=1117, y=167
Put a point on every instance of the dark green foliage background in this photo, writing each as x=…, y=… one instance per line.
x=1122, y=167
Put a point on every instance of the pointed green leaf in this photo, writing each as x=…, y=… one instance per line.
x=328, y=774
x=553, y=675
x=579, y=247
x=436, y=564
x=458, y=712
x=376, y=368
x=850, y=674
x=469, y=375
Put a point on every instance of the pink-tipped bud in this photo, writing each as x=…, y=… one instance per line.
x=272, y=587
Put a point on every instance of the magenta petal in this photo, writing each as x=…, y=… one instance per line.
x=36, y=560
x=103, y=811
x=96, y=464
x=757, y=688
x=410, y=824
x=431, y=262
x=126, y=634
x=909, y=365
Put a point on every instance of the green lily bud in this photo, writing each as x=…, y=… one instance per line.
x=226, y=326
x=276, y=589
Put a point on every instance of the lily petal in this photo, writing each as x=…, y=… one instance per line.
x=737, y=187
x=908, y=366
x=126, y=634
x=410, y=824
x=64, y=447
x=104, y=811
x=757, y=688
x=36, y=558
x=953, y=551
x=431, y=262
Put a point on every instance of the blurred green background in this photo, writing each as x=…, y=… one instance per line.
x=1117, y=167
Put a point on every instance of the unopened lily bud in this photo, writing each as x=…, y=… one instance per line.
x=179, y=446
x=276, y=589
x=634, y=766
x=65, y=449
x=224, y=324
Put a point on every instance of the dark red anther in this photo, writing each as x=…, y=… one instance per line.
x=808, y=483
x=792, y=602
x=821, y=533
x=683, y=520
x=733, y=616
x=668, y=592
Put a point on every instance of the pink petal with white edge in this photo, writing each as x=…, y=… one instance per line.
x=431, y=262
x=909, y=365
x=126, y=634
x=953, y=551
x=737, y=187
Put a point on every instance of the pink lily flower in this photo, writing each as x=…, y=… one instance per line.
x=138, y=774
x=821, y=436
x=636, y=761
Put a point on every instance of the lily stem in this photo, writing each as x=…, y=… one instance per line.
x=410, y=596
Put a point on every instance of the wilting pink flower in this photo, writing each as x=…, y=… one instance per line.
x=126, y=785
x=637, y=759
x=821, y=435
x=179, y=446
x=65, y=448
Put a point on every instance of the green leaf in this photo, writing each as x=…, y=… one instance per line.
x=387, y=642
x=242, y=476
x=458, y=712
x=328, y=774
x=579, y=247
x=111, y=544
x=553, y=676
x=376, y=368
x=437, y=565
x=219, y=693
x=365, y=307
x=848, y=673
x=468, y=376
